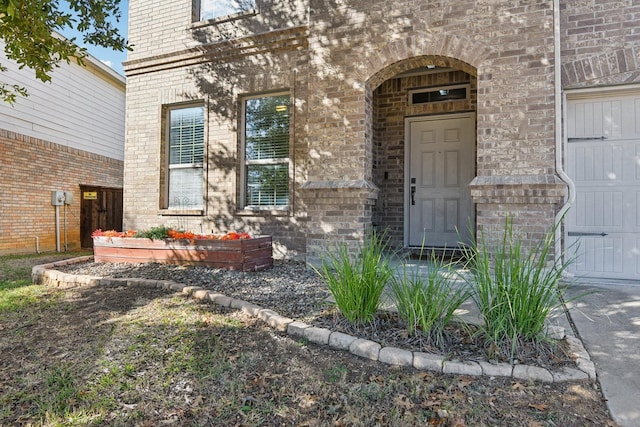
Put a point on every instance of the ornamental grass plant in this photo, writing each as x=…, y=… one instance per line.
x=356, y=281
x=515, y=289
x=426, y=303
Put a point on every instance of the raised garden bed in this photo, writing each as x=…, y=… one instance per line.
x=253, y=254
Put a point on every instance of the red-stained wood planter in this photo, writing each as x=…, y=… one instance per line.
x=253, y=254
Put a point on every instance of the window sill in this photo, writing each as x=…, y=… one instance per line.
x=181, y=212
x=221, y=19
x=266, y=211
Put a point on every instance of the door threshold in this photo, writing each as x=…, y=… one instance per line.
x=442, y=253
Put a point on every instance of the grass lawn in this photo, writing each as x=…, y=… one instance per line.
x=129, y=356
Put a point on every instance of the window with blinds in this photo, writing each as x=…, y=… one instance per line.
x=186, y=158
x=266, y=146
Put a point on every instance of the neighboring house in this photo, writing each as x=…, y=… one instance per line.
x=317, y=121
x=67, y=135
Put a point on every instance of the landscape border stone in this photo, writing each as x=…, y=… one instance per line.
x=461, y=367
x=341, y=341
x=46, y=274
x=221, y=300
x=496, y=369
x=427, y=361
x=395, y=356
x=317, y=335
x=528, y=372
x=365, y=348
x=296, y=329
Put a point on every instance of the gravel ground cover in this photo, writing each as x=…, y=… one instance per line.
x=289, y=288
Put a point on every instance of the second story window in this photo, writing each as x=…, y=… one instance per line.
x=214, y=9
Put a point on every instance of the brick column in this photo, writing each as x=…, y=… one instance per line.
x=532, y=201
x=339, y=211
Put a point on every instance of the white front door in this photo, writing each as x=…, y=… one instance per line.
x=441, y=164
x=603, y=160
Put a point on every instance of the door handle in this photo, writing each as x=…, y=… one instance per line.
x=413, y=195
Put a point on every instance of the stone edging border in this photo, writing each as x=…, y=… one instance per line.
x=46, y=274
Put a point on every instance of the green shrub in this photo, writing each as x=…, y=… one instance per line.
x=356, y=282
x=428, y=302
x=515, y=290
x=155, y=233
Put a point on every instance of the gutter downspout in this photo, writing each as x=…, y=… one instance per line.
x=560, y=109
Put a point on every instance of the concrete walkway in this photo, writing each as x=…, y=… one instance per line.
x=608, y=322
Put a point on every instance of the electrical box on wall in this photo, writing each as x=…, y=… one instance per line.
x=57, y=197
x=68, y=197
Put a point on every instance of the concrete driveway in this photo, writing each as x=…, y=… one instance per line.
x=608, y=321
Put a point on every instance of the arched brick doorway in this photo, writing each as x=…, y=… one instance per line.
x=423, y=128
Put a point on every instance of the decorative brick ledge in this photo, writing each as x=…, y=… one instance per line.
x=293, y=38
x=358, y=184
x=518, y=189
x=47, y=275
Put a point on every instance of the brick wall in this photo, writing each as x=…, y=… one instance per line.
x=160, y=28
x=31, y=169
x=600, y=43
x=357, y=46
x=277, y=63
x=342, y=61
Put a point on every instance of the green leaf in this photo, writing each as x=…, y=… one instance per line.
x=27, y=30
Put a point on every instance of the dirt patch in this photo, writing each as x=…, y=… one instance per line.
x=140, y=356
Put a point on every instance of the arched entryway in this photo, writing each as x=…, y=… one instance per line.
x=424, y=151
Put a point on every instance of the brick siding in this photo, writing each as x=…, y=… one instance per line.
x=31, y=169
x=341, y=62
x=600, y=43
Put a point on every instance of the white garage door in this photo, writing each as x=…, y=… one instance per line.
x=603, y=160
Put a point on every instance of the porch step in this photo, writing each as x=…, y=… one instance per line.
x=445, y=254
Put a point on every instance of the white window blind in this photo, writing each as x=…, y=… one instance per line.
x=267, y=151
x=186, y=156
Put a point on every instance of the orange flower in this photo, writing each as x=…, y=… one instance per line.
x=174, y=234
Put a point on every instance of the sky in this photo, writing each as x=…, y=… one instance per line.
x=109, y=57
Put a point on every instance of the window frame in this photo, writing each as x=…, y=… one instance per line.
x=165, y=208
x=198, y=21
x=465, y=86
x=244, y=163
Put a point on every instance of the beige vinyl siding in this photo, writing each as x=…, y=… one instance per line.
x=80, y=108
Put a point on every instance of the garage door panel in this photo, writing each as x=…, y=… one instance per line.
x=636, y=158
x=597, y=255
x=635, y=252
x=598, y=209
x=603, y=163
x=599, y=118
x=603, y=160
x=637, y=223
x=636, y=111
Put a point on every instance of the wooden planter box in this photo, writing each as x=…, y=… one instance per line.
x=253, y=254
